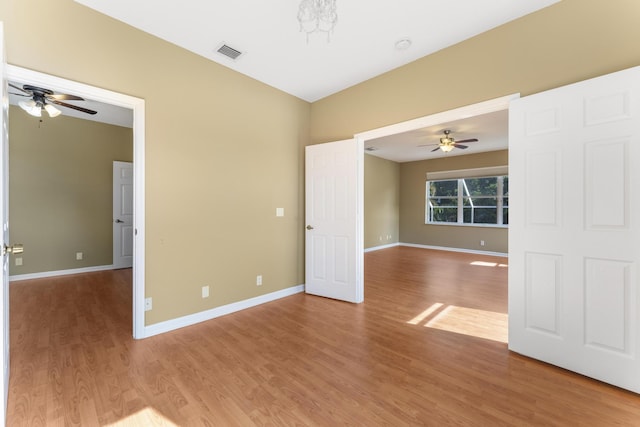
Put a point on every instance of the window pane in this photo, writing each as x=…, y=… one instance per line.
x=480, y=201
x=444, y=214
x=485, y=216
x=480, y=215
x=482, y=186
x=443, y=188
x=443, y=201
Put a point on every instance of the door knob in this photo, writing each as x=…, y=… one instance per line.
x=119, y=221
x=309, y=227
x=13, y=249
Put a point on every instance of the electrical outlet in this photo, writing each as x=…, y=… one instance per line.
x=79, y=256
x=481, y=242
x=148, y=304
x=19, y=261
x=259, y=280
x=205, y=291
x=279, y=211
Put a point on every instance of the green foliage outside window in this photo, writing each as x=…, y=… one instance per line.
x=469, y=201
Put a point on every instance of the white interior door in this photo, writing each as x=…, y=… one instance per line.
x=122, y=214
x=574, y=227
x=4, y=239
x=334, y=246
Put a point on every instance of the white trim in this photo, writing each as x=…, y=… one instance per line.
x=20, y=74
x=468, y=173
x=463, y=250
x=359, y=243
x=377, y=248
x=192, y=319
x=485, y=107
x=45, y=274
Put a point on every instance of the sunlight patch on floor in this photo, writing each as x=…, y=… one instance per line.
x=488, y=264
x=469, y=321
x=428, y=312
x=474, y=322
x=146, y=417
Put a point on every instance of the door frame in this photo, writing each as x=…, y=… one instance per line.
x=484, y=107
x=137, y=105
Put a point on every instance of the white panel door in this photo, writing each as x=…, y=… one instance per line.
x=334, y=253
x=4, y=239
x=574, y=232
x=122, y=214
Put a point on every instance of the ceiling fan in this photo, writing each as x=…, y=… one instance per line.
x=447, y=143
x=41, y=99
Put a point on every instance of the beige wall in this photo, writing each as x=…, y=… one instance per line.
x=381, y=201
x=413, y=177
x=60, y=176
x=564, y=43
x=214, y=175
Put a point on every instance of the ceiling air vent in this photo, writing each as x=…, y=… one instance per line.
x=229, y=52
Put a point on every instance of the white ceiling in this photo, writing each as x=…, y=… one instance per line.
x=490, y=129
x=361, y=47
x=275, y=52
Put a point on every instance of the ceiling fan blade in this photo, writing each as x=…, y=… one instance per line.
x=464, y=147
x=435, y=149
x=467, y=140
x=63, y=97
x=20, y=94
x=75, y=107
x=20, y=89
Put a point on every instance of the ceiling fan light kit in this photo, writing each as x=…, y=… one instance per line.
x=448, y=143
x=31, y=107
x=42, y=99
x=53, y=111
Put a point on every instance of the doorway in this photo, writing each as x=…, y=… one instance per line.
x=479, y=109
x=137, y=106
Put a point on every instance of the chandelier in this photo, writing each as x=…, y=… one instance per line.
x=317, y=16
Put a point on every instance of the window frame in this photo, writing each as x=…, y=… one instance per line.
x=462, y=194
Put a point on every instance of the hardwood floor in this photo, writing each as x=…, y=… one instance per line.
x=302, y=360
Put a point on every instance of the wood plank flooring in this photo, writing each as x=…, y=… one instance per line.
x=425, y=348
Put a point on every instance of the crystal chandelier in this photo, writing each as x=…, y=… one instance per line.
x=317, y=16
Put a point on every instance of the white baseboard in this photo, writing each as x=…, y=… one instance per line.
x=192, y=319
x=377, y=248
x=444, y=248
x=44, y=274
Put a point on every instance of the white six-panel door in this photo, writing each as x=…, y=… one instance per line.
x=574, y=232
x=122, y=214
x=4, y=239
x=334, y=253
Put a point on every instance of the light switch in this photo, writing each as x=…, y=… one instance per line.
x=279, y=211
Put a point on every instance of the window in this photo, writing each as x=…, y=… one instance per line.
x=471, y=201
